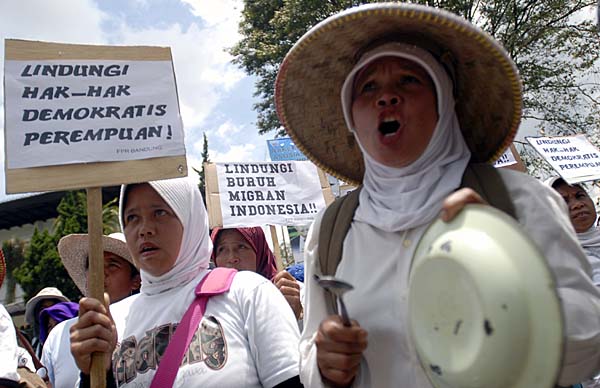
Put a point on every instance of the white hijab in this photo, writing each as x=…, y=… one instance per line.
x=590, y=238
x=396, y=199
x=183, y=196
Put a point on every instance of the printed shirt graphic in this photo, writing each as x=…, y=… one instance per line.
x=208, y=346
x=248, y=337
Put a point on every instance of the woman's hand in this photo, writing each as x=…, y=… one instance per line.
x=339, y=350
x=456, y=201
x=94, y=331
x=290, y=289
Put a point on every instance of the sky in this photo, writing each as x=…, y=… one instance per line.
x=215, y=96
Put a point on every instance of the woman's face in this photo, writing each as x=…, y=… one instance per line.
x=581, y=207
x=51, y=324
x=152, y=230
x=119, y=281
x=394, y=109
x=234, y=251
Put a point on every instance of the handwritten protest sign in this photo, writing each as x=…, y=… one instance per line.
x=574, y=158
x=510, y=159
x=261, y=193
x=78, y=105
x=506, y=159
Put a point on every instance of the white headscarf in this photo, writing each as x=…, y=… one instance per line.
x=396, y=199
x=590, y=238
x=183, y=196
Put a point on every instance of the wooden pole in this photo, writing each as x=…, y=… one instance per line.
x=276, y=248
x=96, y=273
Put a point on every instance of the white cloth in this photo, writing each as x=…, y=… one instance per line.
x=24, y=359
x=377, y=264
x=394, y=199
x=249, y=337
x=183, y=196
x=57, y=357
x=8, y=347
x=590, y=241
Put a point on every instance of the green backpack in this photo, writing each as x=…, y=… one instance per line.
x=481, y=177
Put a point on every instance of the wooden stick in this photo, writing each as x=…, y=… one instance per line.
x=276, y=248
x=96, y=273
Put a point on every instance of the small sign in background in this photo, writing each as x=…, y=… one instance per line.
x=574, y=158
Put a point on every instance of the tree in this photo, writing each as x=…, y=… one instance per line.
x=556, y=50
x=14, y=253
x=201, y=176
x=42, y=266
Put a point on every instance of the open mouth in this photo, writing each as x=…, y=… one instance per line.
x=148, y=248
x=389, y=127
x=580, y=214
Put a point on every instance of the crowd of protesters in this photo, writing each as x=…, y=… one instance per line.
x=408, y=102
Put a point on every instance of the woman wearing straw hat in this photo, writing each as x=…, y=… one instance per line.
x=401, y=98
x=121, y=280
x=46, y=297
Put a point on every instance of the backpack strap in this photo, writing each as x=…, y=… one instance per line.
x=217, y=281
x=487, y=181
x=335, y=224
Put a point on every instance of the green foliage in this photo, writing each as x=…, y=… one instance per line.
x=201, y=177
x=553, y=42
x=42, y=266
x=14, y=253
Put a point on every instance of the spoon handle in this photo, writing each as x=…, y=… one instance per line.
x=344, y=313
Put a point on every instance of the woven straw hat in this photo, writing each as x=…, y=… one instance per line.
x=73, y=251
x=307, y=89
x=45, y=293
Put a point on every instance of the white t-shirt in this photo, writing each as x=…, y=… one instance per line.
x=8, y=347
x=377, y=264
x=57, y=357
x=248, y=337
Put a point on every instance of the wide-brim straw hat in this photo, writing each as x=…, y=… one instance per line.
x=309, y=82
x=45, y=293
x=73, y=251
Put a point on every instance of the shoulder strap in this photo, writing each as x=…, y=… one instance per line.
x=334, y=227
x=217, y=281
x=487, y=181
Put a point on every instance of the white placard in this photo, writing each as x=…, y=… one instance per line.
x=506, y=159
x=80, y=111
x=574, y=158
x=274, y=193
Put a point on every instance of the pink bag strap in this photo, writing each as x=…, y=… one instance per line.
x=217, y=281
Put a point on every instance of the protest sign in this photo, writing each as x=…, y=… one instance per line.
x=283, y=148
x=574, y=158
x=69, y=107
x=261, y=193
x=510, y=159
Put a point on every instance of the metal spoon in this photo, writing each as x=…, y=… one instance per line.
x=337, y=287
